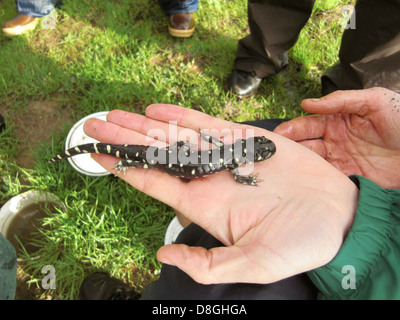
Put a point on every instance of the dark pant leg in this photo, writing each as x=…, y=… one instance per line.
x=175, y=284
x=268, y=124
x=274, y=28
x=369, y=54
x=8, y=269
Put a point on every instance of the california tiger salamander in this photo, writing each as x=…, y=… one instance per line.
x=179, y=160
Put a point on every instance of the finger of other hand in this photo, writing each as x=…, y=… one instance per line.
x=303, y=128
x=316, y=145
x=360, y=102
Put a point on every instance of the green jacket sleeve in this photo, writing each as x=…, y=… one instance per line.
x=368, y=263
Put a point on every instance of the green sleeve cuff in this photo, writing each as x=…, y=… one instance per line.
x=367, y=265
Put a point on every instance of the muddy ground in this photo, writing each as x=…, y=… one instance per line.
x=35, y=125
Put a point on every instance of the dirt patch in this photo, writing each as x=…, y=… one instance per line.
x=36, y=125
x=26, y=291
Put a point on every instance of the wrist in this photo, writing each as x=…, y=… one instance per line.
x=351, y=200
x=365, y=248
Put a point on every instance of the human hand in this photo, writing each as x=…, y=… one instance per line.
x=295, y=220
x=360, y=132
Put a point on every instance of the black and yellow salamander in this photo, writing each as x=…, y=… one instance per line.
x=181, y=161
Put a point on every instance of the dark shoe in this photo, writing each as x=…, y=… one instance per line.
x=327, y=86
x=181, y=25
x=100, y=286
x=243, y=83
x=19, y=25
x=331, y=79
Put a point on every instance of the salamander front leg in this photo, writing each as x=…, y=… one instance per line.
x=250, y=180
x=211, y=139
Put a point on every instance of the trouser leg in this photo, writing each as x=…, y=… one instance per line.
x=274, y=28
x=174, y=284
x=8, y=269
x=170, y=7
x=370, y=53
x=36, y=8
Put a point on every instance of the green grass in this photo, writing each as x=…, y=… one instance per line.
x=104, y=55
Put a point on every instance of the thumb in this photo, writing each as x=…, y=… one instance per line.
x=217, y=265
x=360, y=102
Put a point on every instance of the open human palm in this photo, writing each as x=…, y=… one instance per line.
x=295, y=220
x=356, y=131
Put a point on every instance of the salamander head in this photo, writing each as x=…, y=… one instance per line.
x=263, y=148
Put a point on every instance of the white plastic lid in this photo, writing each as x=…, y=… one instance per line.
x=84, y=163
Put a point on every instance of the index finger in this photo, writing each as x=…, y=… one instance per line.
x=227, y=131
x=303, y=128
x=360, y=102
x=190, y=118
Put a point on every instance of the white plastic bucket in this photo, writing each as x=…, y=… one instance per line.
x=19, y=203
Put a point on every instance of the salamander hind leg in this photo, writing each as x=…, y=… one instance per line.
x=248, y=180
x=125, y=164
x=181, y=145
